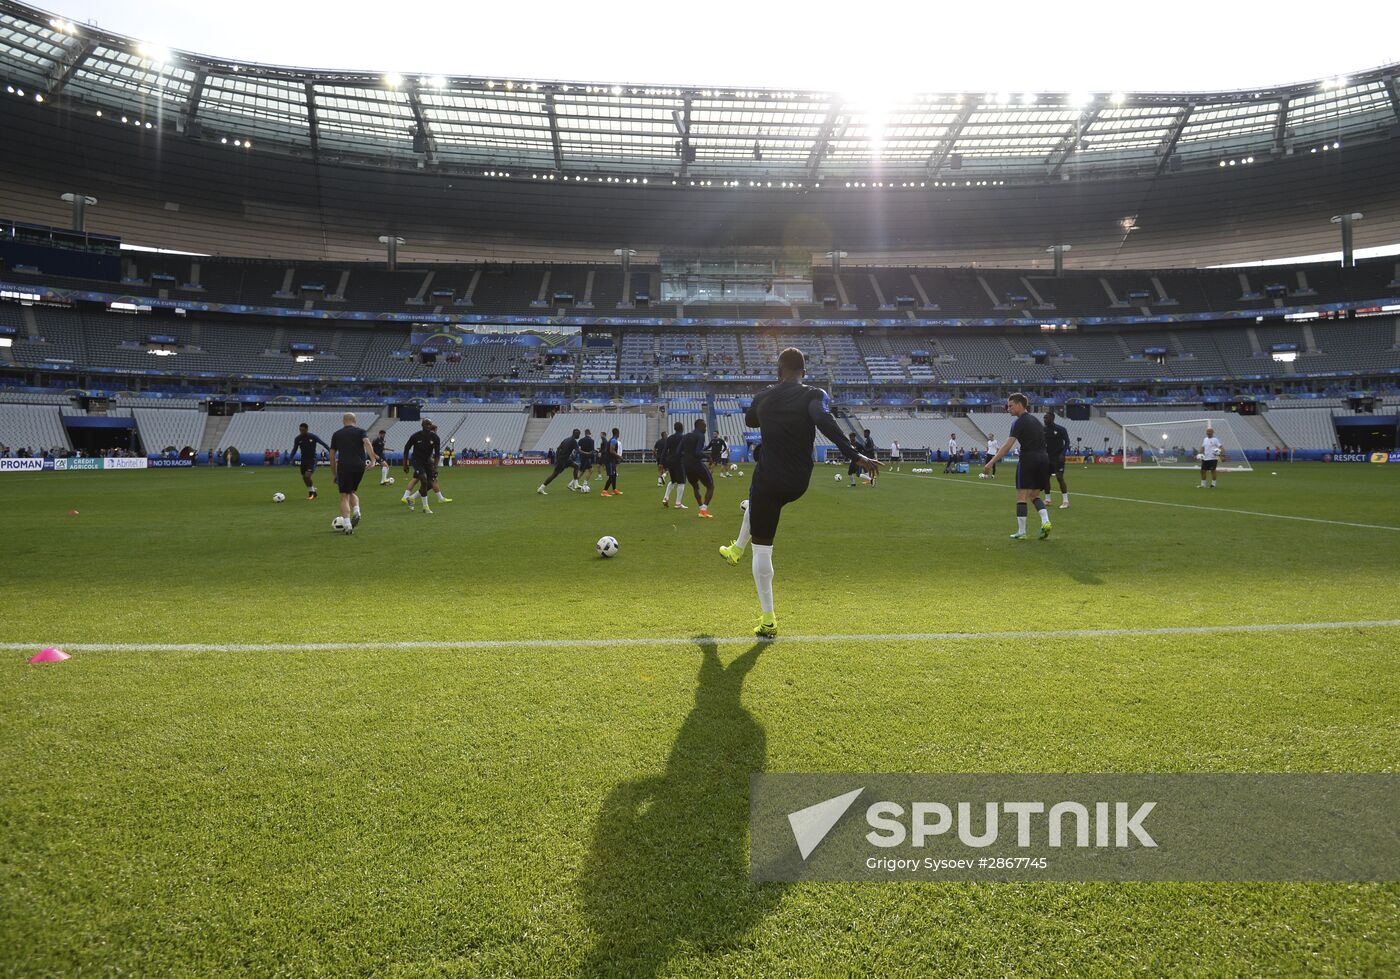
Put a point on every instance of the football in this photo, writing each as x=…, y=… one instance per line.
x=606, y=546
x=584, y=488
x=741, y=472
x=341, y=526
x=981, y=475
x=733, y=467
x=838, y=477
x=277, y=497
x=743, y=504
x=390, y=480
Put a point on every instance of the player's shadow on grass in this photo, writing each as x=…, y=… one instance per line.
x=669, y=862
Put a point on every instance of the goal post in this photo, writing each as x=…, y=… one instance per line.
x=1176, y=444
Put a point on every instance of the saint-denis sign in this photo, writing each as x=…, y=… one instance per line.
x=1074, y=827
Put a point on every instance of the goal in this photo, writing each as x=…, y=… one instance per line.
x=1175, y=444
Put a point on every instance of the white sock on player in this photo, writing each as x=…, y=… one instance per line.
x=1044, y=516
x=440, y=496
x=355, y=510
x=1020, y=525
x=763, y=576
x=680, y=492
x=742, y=541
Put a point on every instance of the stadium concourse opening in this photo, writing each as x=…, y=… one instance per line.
x=438, y=505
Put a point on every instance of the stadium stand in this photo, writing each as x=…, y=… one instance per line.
x=36, y=428
x=633, y=427
x=168, y=427
x=1303, y=428
x=254, y=432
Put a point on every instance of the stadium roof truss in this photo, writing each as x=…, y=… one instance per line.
x=535, y=129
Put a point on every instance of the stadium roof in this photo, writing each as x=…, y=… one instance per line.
x=531, y=129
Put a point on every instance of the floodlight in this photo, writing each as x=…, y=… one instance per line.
x=1119, y=98
x=153, y=53
x=393, y=79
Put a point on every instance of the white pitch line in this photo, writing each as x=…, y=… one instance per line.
x=1040, y=634
x=1183, y=506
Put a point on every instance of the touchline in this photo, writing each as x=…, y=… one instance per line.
x=1106, y=824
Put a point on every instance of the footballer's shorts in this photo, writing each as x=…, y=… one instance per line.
x=1209, y=465
x=1033, y=473
x=348, y=480
x=676, y=474
x=585, y=460
x=309, y=467
x=425, y=472
x=1057, y=465
x=699, y=474
x=766, y=502
x=561, y=467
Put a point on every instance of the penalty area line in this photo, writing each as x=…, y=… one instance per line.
x=1182, y=506
x=448, y=644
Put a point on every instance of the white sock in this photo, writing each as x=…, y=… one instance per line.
x=1203, y=482
x=1020, y=525
x=763, y=576
x=440, y=496
x=356, y=511
x=1044, y=516
x=407, y=494
x=680, y=492
x=1064, y=497
x=742, y=541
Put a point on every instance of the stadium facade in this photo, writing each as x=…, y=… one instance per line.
x=563, y=242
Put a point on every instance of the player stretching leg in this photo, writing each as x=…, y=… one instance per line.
x=693, y=449
x=351, y=453
x=788, y=415
x=1056, y=444
x=563, y=459
x=1211, y=453
x=1033, y=471
x=675, y=467
x=306, y=443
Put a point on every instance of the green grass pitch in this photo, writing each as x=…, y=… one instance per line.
x=560, y=809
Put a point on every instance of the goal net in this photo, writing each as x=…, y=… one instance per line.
x=1176, y=444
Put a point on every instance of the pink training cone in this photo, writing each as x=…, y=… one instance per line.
x=49, y=654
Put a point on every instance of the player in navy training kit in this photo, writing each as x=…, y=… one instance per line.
x=586, y=448
x=563, y=459
x=693, y=449
x=350, y=449
x=675, y=466
x=421, y=451
x=1056, y=445
x=379, y=450
x=659, y=450
x=612, y=455
x=1033, y=471
x=787, y=415
x=306, y=443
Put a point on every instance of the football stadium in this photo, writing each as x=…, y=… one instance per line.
x=391, y=466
